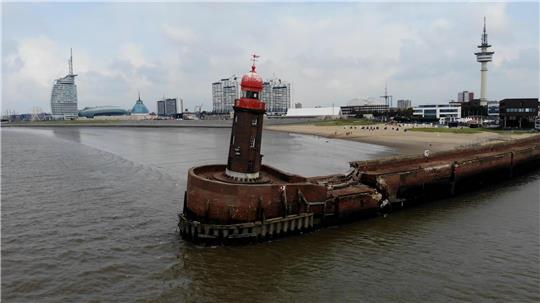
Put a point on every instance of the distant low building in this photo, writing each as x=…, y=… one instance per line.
x=298, y=105
x=437, y=111
x=314, y=112
x=361, y=107
x=518, y=112
x=473, y=108
x=493, y=109
x=368, y=109
x=91, y=112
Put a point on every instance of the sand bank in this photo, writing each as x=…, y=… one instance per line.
x=404, y=142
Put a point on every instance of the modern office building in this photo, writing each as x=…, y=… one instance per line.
x=473, y=109
x=364, y=106
x=493, y=108
x=437, y=111
x=167, y=107
x=465, y=96
x=358, y=110
x=224, y=92
x=333, y=112
x=64, y=94
x=518, y=112
x=171, y=107
x=404, y=104
x=276, y=94
x=139, y=108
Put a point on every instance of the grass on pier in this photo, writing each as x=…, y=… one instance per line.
x=342, y=122
x=466, y=130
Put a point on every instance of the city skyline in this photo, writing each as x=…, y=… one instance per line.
x=331, y=53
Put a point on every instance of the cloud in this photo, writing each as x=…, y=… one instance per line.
x=180, y=35
x=330, y=52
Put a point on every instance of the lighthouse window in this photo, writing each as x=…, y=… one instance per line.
x=252, y=95
x=232, y=139
x=252, y=142
x=235, y=119
x=254, y=122
x=250, y=166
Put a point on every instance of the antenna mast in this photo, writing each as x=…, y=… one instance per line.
x=71, y=61
x=387, y=98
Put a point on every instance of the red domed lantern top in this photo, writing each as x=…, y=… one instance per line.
x=252, y=81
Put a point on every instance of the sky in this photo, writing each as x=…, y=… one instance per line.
x=329, y=52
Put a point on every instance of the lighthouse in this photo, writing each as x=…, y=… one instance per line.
x=244, y=161
x=484, y=56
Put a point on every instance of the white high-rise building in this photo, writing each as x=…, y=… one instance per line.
x=404, y=104
x=276, y=94
x=64, y=95
x=484, y=56
x=224, y=92
x=465, y=96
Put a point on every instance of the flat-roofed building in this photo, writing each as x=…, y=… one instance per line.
x=437, y=111
x=493, y=109
x=404, y=104
x=314, y=112
x=366, y=106
x=518, y=112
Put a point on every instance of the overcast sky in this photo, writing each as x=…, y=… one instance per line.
x=331, y=53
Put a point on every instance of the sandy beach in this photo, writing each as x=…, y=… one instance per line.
x=402, y=139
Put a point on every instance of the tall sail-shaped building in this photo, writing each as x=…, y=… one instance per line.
x=64, y=94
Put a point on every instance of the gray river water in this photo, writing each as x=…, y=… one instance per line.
x=89, y=214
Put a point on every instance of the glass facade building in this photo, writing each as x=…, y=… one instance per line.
x=139, y=108
x=64, y=95
x=91, y=112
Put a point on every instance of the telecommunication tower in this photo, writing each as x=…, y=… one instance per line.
x=484, y=56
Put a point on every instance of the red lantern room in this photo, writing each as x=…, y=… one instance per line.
x=244, y=160
x=251, y=85
x=252, y=81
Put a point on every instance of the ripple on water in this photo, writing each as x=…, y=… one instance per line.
x=88, y=216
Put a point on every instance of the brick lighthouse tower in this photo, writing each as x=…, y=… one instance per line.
x=244, y=160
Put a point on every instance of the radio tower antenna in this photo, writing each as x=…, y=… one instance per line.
x=71, y=61
x=387, y=98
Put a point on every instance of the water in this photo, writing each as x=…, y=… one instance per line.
x=89, y=214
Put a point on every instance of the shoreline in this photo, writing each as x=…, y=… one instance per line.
x=401, y=139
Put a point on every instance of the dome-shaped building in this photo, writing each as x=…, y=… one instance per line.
x=139, y=108
x=91, y=112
